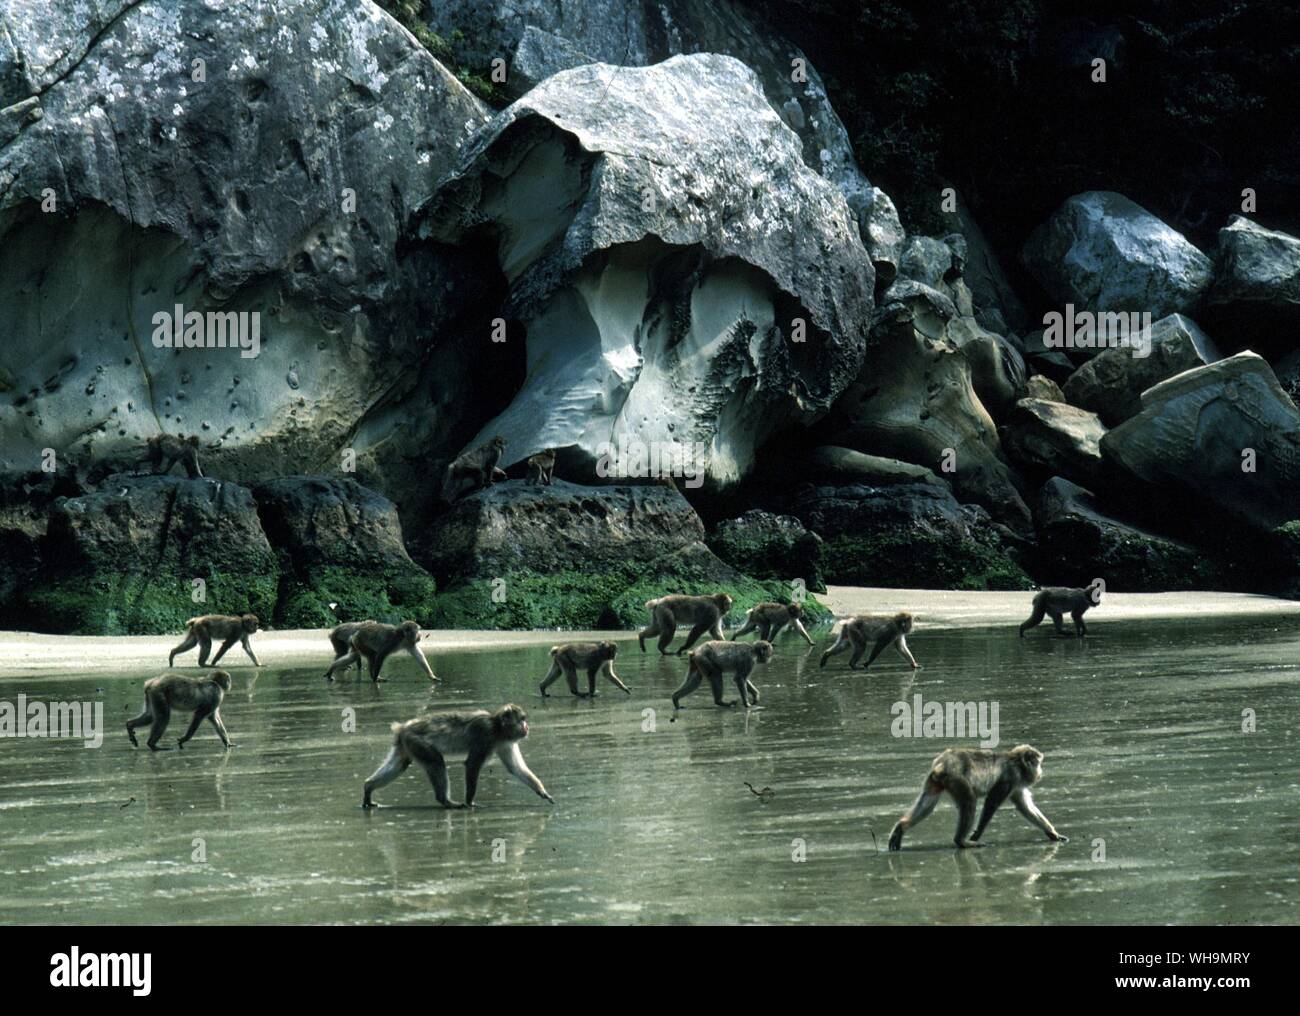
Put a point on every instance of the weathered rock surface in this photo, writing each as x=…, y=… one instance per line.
x=1042, y=387
x=1041, y=435
x=233, y=193
x=126, y=560
x=1078, y=542
x=1111, y=383
x=907, y=535
x=915, y=400
x=769, y=546
x=832, y=466
x=671, y=320
x=633, y=33
x=517, y=555
x=1225, y=432
x=1257, y=284
x=342, y=554
x=1102, y=252
x=25, y=500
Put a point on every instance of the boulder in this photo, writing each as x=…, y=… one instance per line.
x=25, y=501
x=688, y=320
x=1042, y=387
x=1102, y=252
x=1256, y=291
x=769, y=546
x=907, y=535
x=1111, y=383
x=1225, y=432
x=1053, y=437
x=518, y=555
x=631, y=33
x=342, y=554
x=915, y=400
x=1050, y=362
x=278, y=187
x=834, y=466
x=1077, y=542
x=144, y=554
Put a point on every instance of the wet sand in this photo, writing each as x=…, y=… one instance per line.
x=28, y=654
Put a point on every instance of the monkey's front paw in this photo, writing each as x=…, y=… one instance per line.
x=1058, y=838
x=548, y=797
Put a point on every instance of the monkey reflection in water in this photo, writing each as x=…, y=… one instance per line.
x=969, y=774
x=475, y=735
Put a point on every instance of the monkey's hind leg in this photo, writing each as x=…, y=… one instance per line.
x=138, y=721
x=965, y=800
x=648, y=632
x=393, y=766
x=693, y=678
x=691, y=639
x=667, y=629
x=1035, y=619
x=161, y=714
x=920, y=810
x=189, y=642
x=551, y=677
x=436, y=768
x=840, y=646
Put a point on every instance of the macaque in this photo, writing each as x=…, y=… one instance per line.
x=770, y=618
x=593, y=657
x=544, y=464
x=376, y=642
x=479, y=467
x=166, y=450
x=200, y=695
x=1057, y=600
x=713, y=659
x=341, y=636
x=475, y=735
x=203, y=631
x=882, y=632
x=705, y=613
x=969, y=774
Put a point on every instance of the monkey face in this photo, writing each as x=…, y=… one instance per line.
x=762, y=651
x=410, y=632
x=513, y=722
x=249, y=623
x=608, y=650
x=795, y=611
x=723, y=601
x=904, y=622
x=1031, y=760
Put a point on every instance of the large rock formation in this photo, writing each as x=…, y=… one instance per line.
x=682, y=278
x=1077, y=543
x=769, y=546
x=342, y=554
x=1111, y=383
x=1046, y=436
x=1256, y=291
x=259, y=158
x=144, y=554
x=907, y=535
x=539, y=38
x=915, y=400
x=1225, y=432
x=515, y=555
x=1102, y=252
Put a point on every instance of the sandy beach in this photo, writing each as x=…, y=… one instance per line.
x=30, y=654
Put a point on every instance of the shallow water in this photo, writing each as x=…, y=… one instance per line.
x=1141, y=723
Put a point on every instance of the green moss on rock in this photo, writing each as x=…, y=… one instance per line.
x=391, y=597
x=911, y=559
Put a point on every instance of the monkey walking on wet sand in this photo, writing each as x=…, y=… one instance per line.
x=713, y=659
x=770, y=618
x=593, y=657
x=544, y=465
x=475, y=735
x=376, y=642
x=479, y=467
x=880, y=632
x=1057, y=600
x=201, y=695
x=227, y=628
x=341, y=637
x=705, y=613
x=969, y=774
